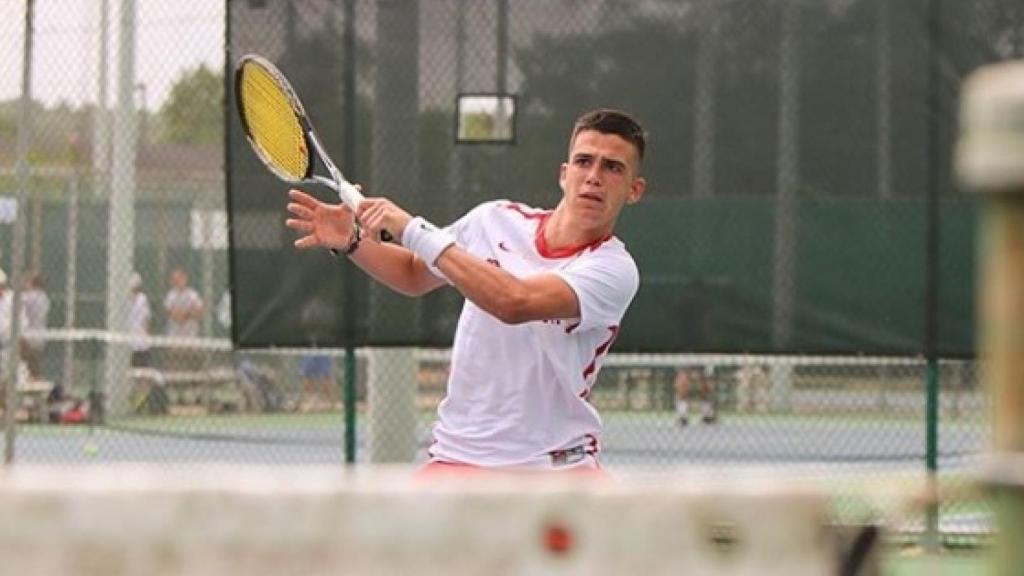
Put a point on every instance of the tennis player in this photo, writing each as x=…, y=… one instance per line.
x=545, y=292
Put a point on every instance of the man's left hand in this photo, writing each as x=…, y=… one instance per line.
x=378, y=214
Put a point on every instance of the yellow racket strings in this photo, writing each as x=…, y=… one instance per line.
x=273, y=126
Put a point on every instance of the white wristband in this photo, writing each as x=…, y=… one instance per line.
x=426, y=240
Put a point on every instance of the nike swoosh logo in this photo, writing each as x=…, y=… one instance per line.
x=503, y=247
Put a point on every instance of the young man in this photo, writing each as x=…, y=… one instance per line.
x=139, y=315
x=545, y=290
x=185, y=309
x=35, y=311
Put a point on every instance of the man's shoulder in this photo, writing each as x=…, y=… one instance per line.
x=504, y=212
x=612, y=248
x=509, y=207
x=611, y=255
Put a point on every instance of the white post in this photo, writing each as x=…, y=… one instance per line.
x=101, y=117
x=9, y=348
x=121, y=227
x=391, y=392
x=71, y=277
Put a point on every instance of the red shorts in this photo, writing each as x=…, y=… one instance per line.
x=440, y=469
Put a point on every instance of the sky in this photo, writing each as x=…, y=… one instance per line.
x=171, y=38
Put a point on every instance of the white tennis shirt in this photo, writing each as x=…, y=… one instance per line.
x=516, y=393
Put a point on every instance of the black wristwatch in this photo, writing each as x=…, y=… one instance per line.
x=357, y=235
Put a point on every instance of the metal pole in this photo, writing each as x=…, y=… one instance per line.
x=71, y=273
x=501, y=48
x=988, y=161
x=121, y=224
x=349, y=157
x=788, y=179
x=883, y=97
x=396, y=110
x=936, y=161
x=704, y=101
x=10, y=355
x=101, y=119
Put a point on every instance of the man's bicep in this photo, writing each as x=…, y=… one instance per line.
x=551, y=298
x=604, y=290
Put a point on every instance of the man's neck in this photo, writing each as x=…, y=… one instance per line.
x=561, y=231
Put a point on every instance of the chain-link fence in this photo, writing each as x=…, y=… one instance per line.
x=795, y=148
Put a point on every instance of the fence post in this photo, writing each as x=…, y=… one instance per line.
x=391, y=405
x=990, y=160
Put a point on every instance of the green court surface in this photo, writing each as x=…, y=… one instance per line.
x=948, y=564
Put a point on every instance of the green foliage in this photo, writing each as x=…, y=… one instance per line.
x=194, y=113
x=479, y=126
x=57, y=133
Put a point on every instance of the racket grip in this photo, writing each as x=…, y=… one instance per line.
x=351, y=196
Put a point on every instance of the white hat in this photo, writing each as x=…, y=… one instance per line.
x=135, y=281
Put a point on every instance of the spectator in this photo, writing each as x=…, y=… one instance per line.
x=318, y=389
x=35, y=310
x=683, y=383
x=5, y=331
x=752, y=389
x=184, y=308
x=139, y=315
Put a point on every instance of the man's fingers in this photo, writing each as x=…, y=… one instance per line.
x=306, y=242
x=303, y=226
x=303, y=198
x=300, y=210
x=373, y=220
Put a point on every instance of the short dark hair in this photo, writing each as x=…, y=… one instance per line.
x=617, y=122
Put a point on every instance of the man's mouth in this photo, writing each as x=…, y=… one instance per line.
x=592, y=197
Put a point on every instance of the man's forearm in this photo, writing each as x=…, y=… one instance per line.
x=395, y=267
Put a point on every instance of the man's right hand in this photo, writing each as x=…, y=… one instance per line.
x=322, y=225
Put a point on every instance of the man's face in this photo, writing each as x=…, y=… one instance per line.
x=179, y=279
x=600, y=177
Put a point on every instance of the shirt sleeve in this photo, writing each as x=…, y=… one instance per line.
x=605, y=284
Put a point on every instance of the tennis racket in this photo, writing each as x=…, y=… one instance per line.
x=280, y=132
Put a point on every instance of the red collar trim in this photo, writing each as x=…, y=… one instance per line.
x=546, y=251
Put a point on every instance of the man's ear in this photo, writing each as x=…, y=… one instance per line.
x=561, y=175
x=636, y=191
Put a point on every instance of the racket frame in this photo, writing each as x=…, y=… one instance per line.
x=347, y=193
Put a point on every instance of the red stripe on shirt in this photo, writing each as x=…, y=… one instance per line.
x=601, y=350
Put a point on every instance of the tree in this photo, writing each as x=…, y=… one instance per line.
x=194, y=113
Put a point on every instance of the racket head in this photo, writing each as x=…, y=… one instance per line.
x=273, y=118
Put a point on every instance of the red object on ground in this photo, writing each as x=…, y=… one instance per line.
x=74, y=415
x=558, y=539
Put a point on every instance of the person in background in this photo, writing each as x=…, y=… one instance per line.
x=683, y=384
x=139, y=315
x=6, y=303
x=752, y=388
x=184, y=308
x=35, y=311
